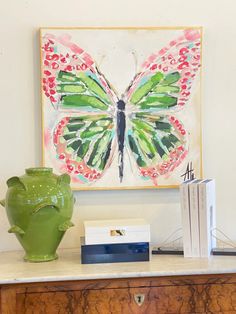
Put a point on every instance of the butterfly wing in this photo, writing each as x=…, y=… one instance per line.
x=170, y=71
x=157, y=142
x=70, y=77
x=157, y=139
x=82, y=135
x=85, y=144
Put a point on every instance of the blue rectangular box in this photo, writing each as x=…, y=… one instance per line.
x=114, y=253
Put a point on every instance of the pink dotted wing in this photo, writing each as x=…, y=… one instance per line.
x=158, y=140
x=182, y=56
x=65, y=62
x=85, y=146
x=80, y=135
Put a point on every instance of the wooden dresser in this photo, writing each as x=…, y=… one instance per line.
x=163, y=285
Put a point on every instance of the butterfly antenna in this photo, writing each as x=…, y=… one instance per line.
x=108, y=84
x=134, y=54
x=101, y=60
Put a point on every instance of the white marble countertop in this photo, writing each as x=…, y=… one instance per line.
x=68, y=267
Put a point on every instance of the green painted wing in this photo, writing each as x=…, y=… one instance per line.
x=87, y=139
x=157, y=92
x=152, y=138
x=81, y=91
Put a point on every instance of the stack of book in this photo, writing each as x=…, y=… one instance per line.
x=198, y=217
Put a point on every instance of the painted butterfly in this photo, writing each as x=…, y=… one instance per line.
x=93, y=124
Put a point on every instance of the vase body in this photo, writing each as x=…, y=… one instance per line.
x=39, y=207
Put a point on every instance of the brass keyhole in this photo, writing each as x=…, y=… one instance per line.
x=139, y=299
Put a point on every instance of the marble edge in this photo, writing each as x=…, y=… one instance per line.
x=69, y=268
x=121, y=275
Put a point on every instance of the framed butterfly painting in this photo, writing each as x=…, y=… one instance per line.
x=121, y=106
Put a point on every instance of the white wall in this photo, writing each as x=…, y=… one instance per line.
x=20, y=127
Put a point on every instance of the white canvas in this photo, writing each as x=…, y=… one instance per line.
x=164, y=124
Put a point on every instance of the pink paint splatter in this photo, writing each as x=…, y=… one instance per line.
x=47, y=137
x=182, y=55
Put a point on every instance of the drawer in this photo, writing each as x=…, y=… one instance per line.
x=106, y=301
x=163, y=295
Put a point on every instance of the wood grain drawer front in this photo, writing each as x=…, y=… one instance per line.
x=220, y=298
x=106, y=301
x=201, y=294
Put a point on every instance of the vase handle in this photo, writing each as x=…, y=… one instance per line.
x=64, y=178
x=2, y=202
x=65, y=225
x=41, y=206
x=15, y=181
x=16, y=229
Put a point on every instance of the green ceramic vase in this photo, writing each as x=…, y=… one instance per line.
x=39, y=207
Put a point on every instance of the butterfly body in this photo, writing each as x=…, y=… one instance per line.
x=121, y=126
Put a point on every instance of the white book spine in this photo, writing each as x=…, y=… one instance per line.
x=194, y=216
x=186, y=223
x=207, y=216
x=212, y=206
